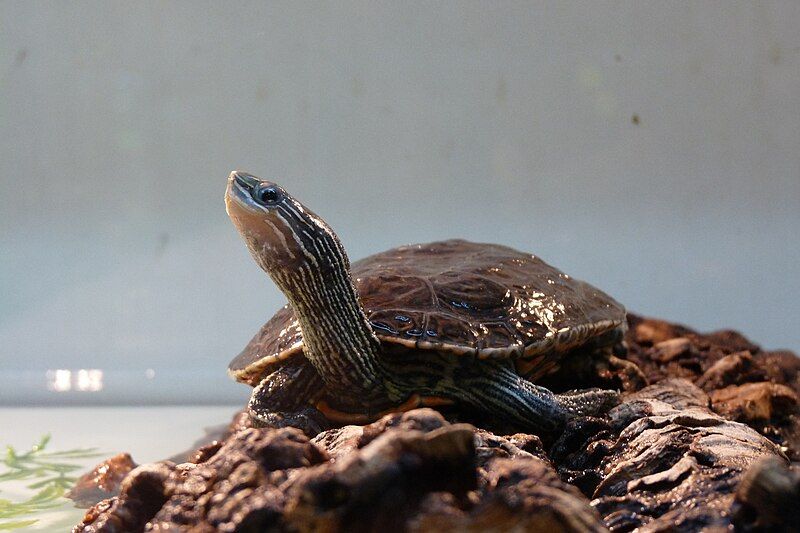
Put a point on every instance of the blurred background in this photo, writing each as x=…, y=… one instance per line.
x=652, y=149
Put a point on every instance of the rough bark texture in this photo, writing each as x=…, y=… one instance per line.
x=103, y=481
x=705, y=446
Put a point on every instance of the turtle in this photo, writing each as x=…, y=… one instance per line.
x=452, y=324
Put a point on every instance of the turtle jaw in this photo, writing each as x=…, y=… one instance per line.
x=240, y=206
x=238, y=199
x=262, y=228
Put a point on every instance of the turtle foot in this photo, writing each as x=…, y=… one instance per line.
x=588, y=402
x=309, y=420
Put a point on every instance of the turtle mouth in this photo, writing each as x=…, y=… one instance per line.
x=243, y=179
x=240, y=192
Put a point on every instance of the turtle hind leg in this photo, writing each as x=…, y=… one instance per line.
x=284, y=397
x=497, y=390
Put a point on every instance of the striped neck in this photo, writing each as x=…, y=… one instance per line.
x=337, y=337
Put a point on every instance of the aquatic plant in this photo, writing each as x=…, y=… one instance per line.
x=49, y=475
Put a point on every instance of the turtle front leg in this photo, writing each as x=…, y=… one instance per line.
x=284, y=399
x=495, y=389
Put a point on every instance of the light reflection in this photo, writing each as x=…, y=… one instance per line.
x=89, y=380
x=59, y=380
x=82, y=380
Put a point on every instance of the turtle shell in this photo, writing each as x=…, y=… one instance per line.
x=484, y=300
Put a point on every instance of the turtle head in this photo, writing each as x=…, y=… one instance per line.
x=286, y=239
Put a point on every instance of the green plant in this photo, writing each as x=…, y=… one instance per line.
x=49, y=470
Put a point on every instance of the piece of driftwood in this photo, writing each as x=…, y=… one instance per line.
x=675, y=463
x=703, y=447
x=103, y=481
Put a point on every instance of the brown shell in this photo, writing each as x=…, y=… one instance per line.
x=487, y=300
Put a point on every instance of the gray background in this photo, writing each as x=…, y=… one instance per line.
x=650, y=148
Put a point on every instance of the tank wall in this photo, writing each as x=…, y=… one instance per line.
x=651, y=149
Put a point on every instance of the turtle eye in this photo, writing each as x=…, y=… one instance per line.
x=268, y=195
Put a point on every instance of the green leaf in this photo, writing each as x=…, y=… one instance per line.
x=11, y=456
x=10, y=476
x=7, y=526
x=42, y=443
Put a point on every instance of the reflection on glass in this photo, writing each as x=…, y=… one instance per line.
x=89, y=380
x=83, y=380
x=59, y=380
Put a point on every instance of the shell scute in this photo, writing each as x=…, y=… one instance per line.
x=451, y=327
x=471, y=293
x=400, y=322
